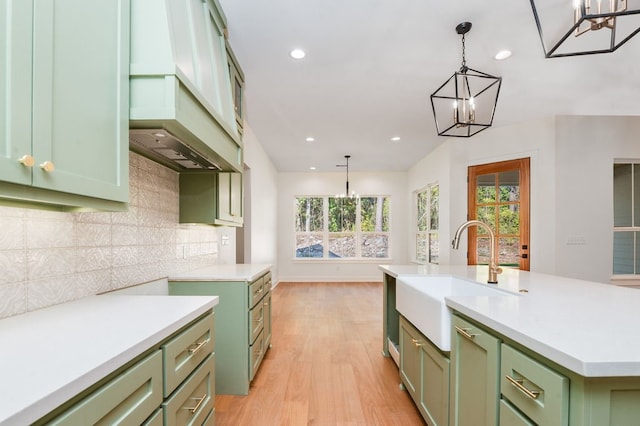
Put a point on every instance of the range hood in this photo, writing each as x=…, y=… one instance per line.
x=181, y=111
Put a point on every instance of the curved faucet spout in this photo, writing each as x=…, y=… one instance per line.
x=494, y=270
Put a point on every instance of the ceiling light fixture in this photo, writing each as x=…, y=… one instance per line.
x=351, y=194
x=395, y=138
x=584, y=27
x=465, y=104
x=502, y=55
x=297, y=54
x=310, y=139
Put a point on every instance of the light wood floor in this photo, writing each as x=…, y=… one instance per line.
x=325, y=366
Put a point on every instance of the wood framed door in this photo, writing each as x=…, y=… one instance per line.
x=498, y=194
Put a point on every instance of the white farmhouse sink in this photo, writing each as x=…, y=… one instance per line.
x=421, y=299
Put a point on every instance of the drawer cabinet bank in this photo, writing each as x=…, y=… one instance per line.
x=243, y=322
x=496, y=372
x=161, y=373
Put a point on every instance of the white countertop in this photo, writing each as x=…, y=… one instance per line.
x=50, y=355
x=231, y=272
x=589, y=328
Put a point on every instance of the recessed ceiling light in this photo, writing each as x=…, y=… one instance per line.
x=297, y=54
x=312, y=168
x=503, y=54
x=310, y=139
x=395, y=138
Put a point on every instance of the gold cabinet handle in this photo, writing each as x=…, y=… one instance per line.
x=27, y=160
x=519, y=384
x=465, y=333
x=198, y=404
x=198, y=346
x=416, y=342
x=48, y=166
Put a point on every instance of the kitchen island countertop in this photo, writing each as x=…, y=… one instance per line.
x=231, y=272
x=587, y=327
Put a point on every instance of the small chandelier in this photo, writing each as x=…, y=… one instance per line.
x=465, y=104
x=351, y=194
x=584, y=27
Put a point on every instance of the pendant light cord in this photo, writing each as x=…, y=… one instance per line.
x=463, y=68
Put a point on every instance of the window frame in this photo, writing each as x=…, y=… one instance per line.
x=634, y=229
x=326, y=234
x=429, y=232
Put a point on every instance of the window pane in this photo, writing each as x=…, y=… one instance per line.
x=342, y=245
x=622, y=195
x=623, y=253
x=309, y=214
x=374, y=214
x=486, y=189
x=434, y=210
x=510, y=219
x=508, y=251
x=636, y=195
x=509, y=186
x=423, y=217
x=342, y=214
x=434, y=248
x=374, y=245
x=309, y=245
x=483, y=251
x=421, y=247
x=487, y=215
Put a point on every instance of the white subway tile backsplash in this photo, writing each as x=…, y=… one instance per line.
x=48, y=257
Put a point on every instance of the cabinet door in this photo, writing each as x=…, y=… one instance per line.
x=81, y=97
x=230, y=197
x=410, y=353
x=15, y=89
x=434, y=398
x=474, y=375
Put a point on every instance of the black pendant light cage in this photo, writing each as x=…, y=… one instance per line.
x=585, y=27
x=465, y=104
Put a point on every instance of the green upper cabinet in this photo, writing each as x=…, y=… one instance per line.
x=65, y=102
x=211, y=198
x=237, y=88
x=180, y=79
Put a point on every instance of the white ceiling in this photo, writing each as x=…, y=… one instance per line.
x=372, y=64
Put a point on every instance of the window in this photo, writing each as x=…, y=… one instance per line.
x=427, y=223
x=626, y=218
x=342, y=227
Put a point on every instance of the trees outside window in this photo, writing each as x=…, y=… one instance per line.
x=427, y=224
x=626, y=219
x=342, y=227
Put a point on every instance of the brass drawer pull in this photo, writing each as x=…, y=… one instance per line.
x=198, y=404
x=416, y=342
x=465, y=333
x=519, y=384
x=198, y=346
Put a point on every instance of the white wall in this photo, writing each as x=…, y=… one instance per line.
x=261, y=210
x=291, y=185
x=571, y=186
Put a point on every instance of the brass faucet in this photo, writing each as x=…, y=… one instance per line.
x=494, y=270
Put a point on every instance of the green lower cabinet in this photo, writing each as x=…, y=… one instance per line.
x=155, y=419
x=475, y=364
x=127, y=399
x=424, y=372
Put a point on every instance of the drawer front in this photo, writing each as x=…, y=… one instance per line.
x=256, y=321
x=267, y=281
x=183, y=353
x=155, y=419
x=194, y=399
x=256, y=291
x=536, y=390
x=127, y=399
x=509, y=416
x=255, y=356
x=211, y=419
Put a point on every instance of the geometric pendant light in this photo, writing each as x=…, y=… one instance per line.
x=465, y=104
x=584, y=27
